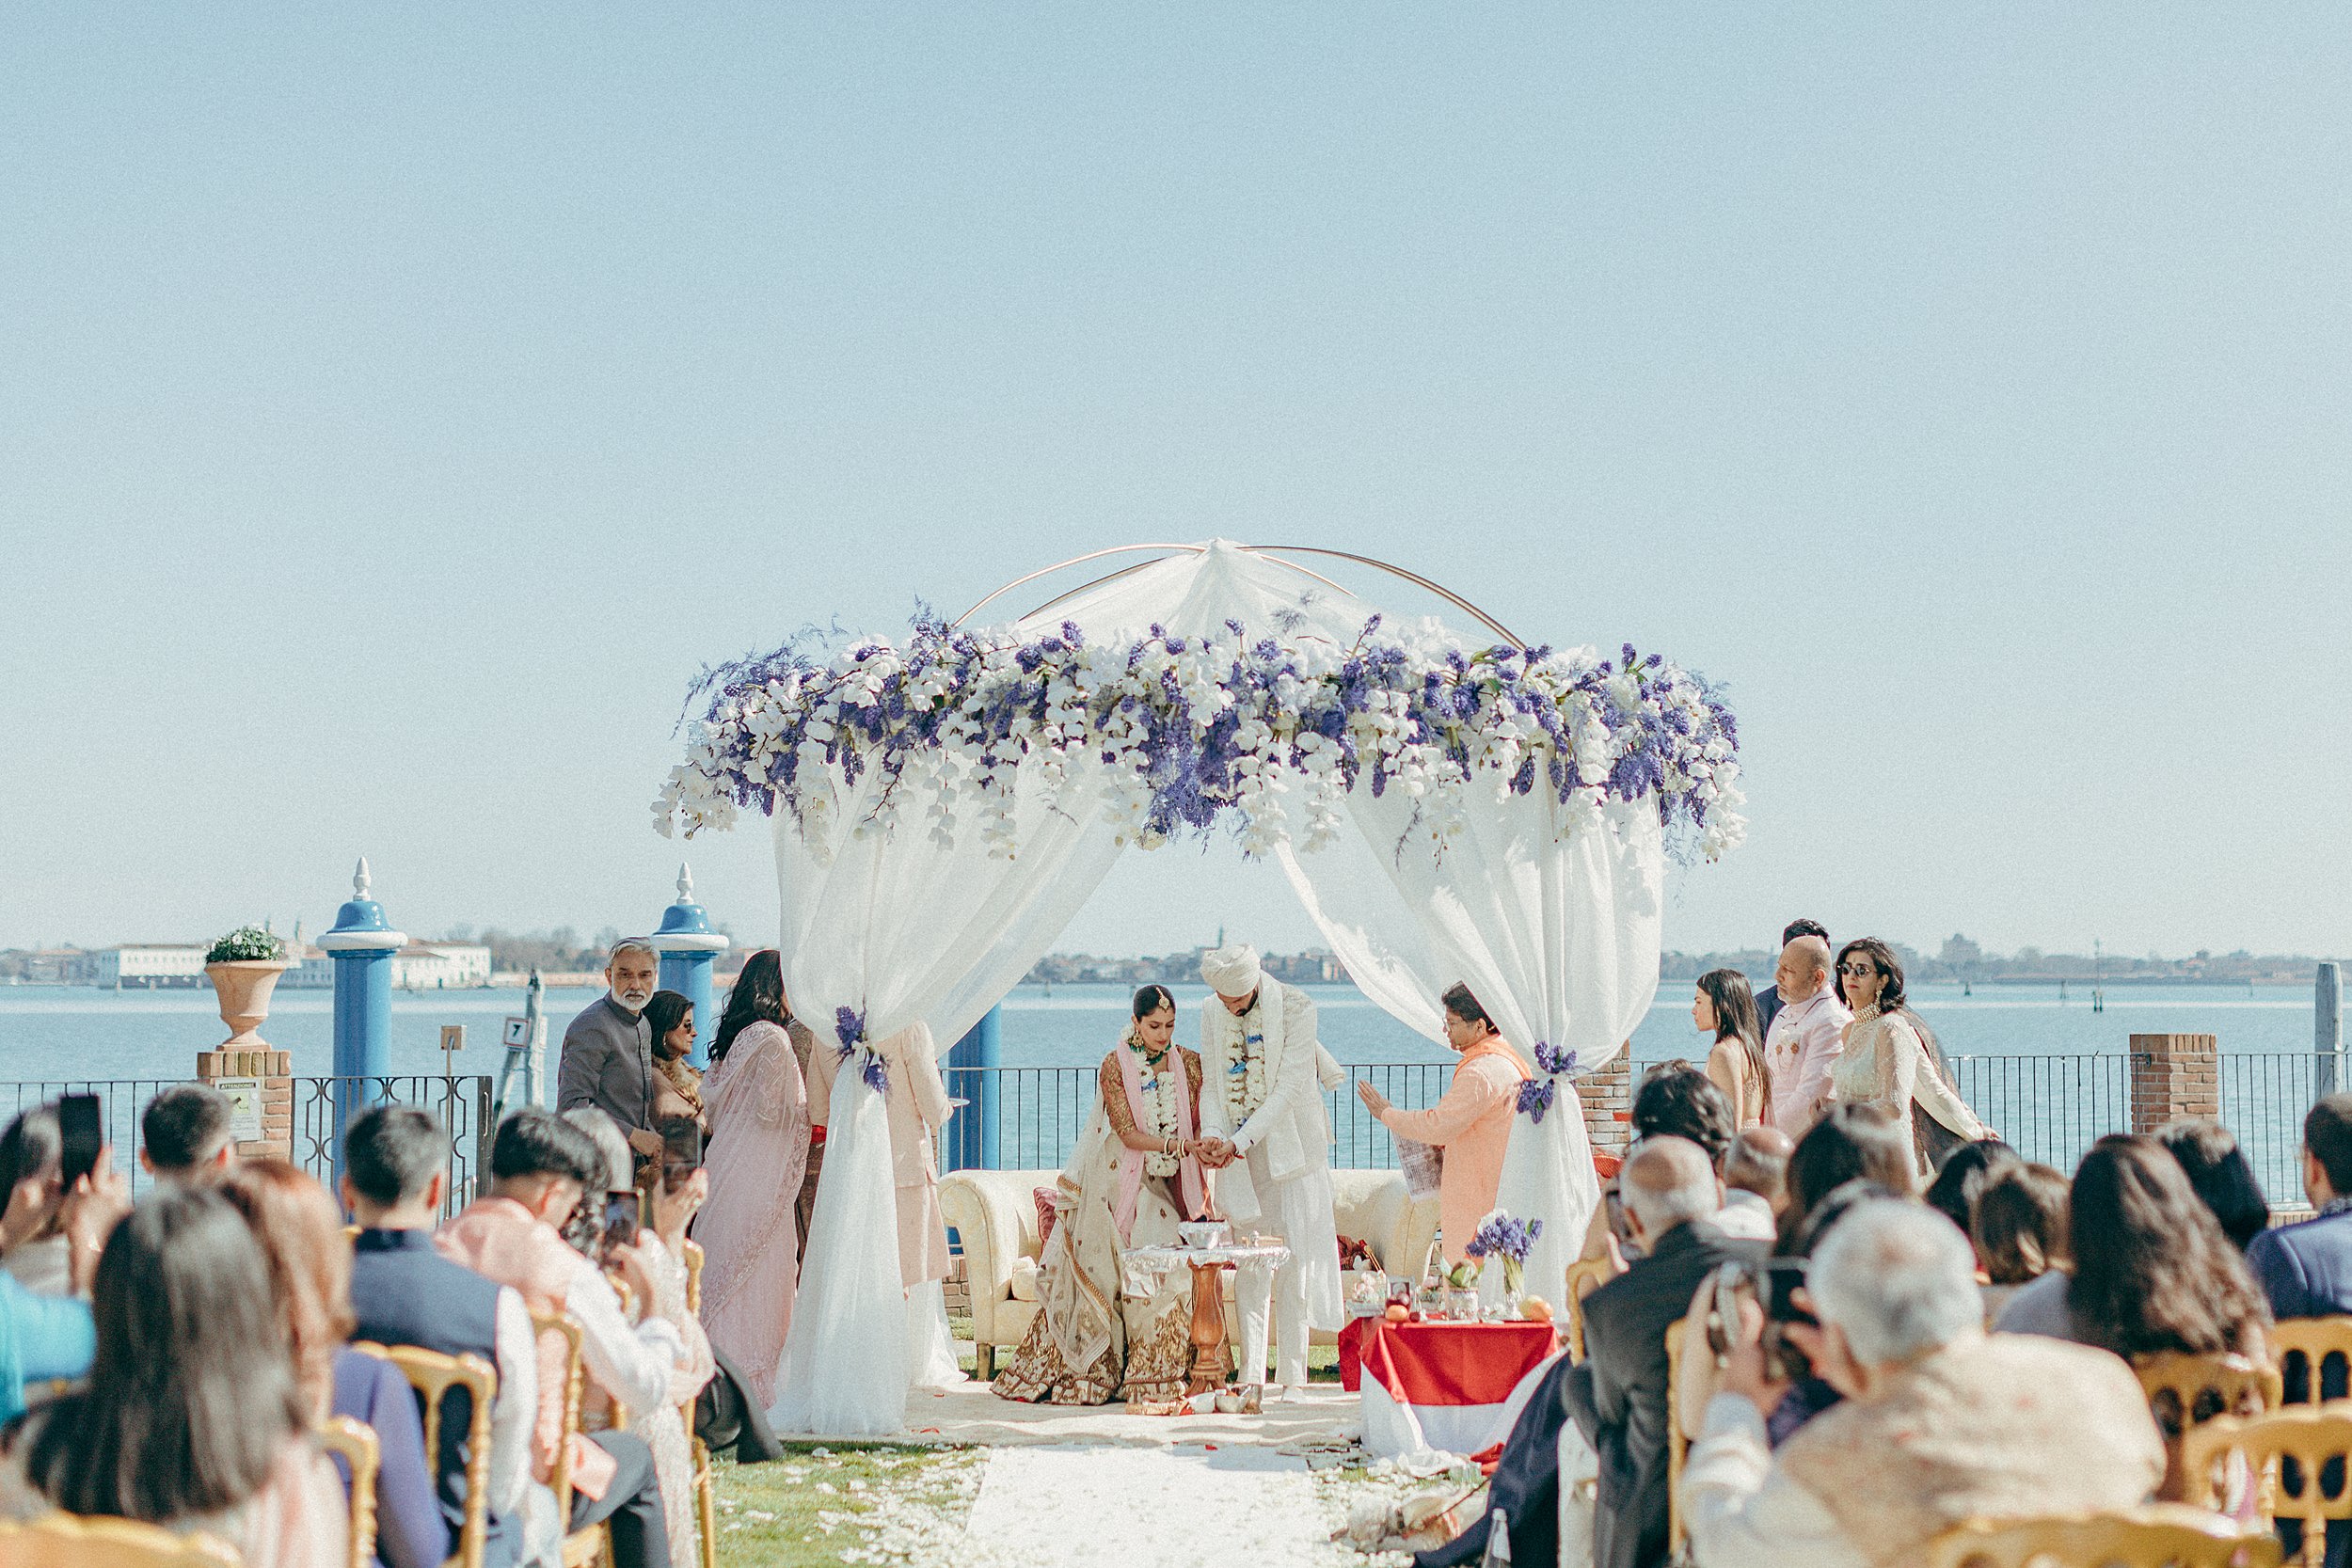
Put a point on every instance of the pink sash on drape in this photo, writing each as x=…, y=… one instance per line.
x=1131, y=1160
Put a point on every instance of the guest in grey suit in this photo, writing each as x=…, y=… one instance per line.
x=1617, y=1395
x=608, y=1050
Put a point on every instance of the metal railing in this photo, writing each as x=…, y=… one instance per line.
x=462, y=1103
x=2048, y=1108
x=2263, y=1097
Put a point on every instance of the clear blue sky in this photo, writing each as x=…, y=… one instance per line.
x=402, y=402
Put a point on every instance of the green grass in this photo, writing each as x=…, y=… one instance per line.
x=825, y=1503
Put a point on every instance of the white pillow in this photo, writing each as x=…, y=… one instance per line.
x=1025, y=1279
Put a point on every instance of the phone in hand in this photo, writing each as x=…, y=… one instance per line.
x=81, y=1133
x=623, y=1216
x=681, y=1150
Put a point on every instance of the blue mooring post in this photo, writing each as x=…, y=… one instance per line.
x=687, y=946
x=970, y=1075
x=362, y=946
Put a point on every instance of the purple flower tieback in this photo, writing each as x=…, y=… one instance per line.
x=1538, y=1094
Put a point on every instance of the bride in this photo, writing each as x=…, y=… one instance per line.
x=1136, y=1172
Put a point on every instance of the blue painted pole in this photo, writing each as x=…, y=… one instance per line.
x=362, y=946
x=689, y=947
x=972, y=1061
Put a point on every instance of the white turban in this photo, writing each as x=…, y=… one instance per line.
x=1231, y=970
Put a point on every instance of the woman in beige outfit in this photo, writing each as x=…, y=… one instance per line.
x=917, y=1103
x=1884, y=1061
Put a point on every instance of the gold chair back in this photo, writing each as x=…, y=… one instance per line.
x=705, y=1490
x=2162, y=1536
x=2314, y=1339
x=356, y=1441
x=1585, y=1276
x=2185, y=1391
x=434, y=1375
x=583, y=1546
x=1678, y=1442
x=2308, y=1434
x=68, y=1540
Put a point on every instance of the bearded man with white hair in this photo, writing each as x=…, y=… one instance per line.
x=608, y=1048
x=1263, y=1121
x=1941, y=1421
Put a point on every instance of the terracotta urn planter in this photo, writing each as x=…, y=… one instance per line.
x=243, y=986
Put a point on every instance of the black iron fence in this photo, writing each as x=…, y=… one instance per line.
x=2047, y=1108
x=462, y=1103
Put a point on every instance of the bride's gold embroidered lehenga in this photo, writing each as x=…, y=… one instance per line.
x=1091, y=1342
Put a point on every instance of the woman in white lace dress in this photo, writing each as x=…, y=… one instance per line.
x=1885, y=1062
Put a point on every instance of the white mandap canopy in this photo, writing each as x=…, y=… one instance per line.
x=1446, y=809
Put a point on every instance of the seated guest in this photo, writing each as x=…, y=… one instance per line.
x=1617, y=1395
x=1677, y=1101
x=2150, y=1268
x=663, y=1244
x=1952, y=1191
x=310, y=1279
x=396, y=1168
x=1755, y=1168
x=2019, y=1230
x=33, y=1247
x=185, y=1134
x=1940, y=1422
x=52, y=1337
x=541, y=1166
x=1850, y=1142
x=2306, y=1272
x=192, y=1417
x=1471, y=1121
x=2224, y=1180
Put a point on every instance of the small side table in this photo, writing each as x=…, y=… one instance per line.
x=1212, y=1365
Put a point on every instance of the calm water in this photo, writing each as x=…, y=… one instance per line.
x=74, y=1032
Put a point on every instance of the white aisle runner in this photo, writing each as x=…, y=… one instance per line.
x=1149, y=1508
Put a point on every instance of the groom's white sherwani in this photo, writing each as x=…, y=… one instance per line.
x=1259, y=1090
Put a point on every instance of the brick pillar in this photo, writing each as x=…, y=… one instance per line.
x=1607, y=1097
x=274, y=1070
x=2174, y=1076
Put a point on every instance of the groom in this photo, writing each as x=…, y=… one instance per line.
x=1262, y=1119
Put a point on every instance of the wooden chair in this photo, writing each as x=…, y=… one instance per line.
x=1678, y=1442
x=2316, y=1339
x=67, y=1541
x=1585, y=1276
x=2308, y=1434
x=595, y=1543
x=2185, y=1391
x=2162, y=1536
x=434, y=1375
x=705, y=1492
x=355, y=1440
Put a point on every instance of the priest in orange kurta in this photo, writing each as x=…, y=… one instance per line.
x=1471, y=1122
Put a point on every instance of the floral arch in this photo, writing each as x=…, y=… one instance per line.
x=1445, y=808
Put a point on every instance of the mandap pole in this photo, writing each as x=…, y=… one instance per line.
x=362, y=946
x=971, y=1064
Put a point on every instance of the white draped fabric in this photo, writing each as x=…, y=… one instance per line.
x=1557, y=939
x=1560, y=939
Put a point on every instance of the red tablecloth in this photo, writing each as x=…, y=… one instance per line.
x=1443, y=1363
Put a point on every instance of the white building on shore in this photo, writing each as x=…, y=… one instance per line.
x=140, y=968
x=440, y=966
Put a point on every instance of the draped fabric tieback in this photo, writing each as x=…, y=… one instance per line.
x=1536, y=1094
x=849, y=1024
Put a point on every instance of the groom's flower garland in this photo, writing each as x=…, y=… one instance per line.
x=1176, y=732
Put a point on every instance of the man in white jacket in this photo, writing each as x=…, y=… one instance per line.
x=1262, y=1107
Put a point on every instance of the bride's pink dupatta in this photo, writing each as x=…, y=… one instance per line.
x=1191, y=1183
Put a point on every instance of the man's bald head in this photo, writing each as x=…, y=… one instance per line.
x=1668, y=1181
x=1804, y=965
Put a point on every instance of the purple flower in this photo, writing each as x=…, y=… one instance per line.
x=1535, y=1097
x=1552, y=1060
x=849, y=1024
x=877, y=1077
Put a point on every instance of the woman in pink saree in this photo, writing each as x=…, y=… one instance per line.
x=758, y=1108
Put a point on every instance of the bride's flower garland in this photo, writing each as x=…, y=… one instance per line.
x=1159, y=1102
x=1176, y=732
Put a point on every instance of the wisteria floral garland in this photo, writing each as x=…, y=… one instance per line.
x=1180, y=734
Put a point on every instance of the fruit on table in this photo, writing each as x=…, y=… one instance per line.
x=1535, y=1310
x=1400, y=1313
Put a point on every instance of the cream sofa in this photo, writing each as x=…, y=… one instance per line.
x=994, y=1217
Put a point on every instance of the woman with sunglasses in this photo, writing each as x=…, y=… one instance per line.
x=1886, y=1063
